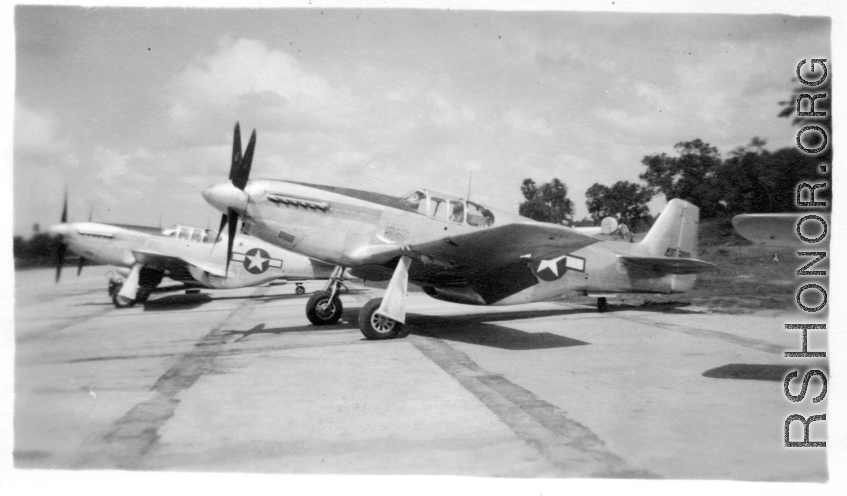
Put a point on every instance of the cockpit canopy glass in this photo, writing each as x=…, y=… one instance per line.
x=443, y=207
x=193, y=234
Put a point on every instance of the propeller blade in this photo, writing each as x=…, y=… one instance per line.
x=60, y=257
x=236, y=151
x=220, y=229
x=242, y=174
x=65, y=209
x=81, y=263
x=91, y=214
x=233, y=226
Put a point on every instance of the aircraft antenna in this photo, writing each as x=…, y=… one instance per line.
x=470, y=179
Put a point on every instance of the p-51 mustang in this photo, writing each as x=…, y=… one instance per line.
x=193, y=256
x=456, y=250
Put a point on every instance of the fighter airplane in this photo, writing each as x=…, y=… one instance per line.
x=455, y=249
x=192, y=256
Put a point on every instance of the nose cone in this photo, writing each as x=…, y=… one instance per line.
x=59, y=230
x=225, y=195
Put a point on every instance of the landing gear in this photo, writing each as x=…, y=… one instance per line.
x=601, y=304
x=323, y=308
x=122, y=301
x=375, y=326
x=300, y=289
x=115, y=285
x=383, y=318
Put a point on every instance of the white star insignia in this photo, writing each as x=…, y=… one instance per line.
x=551, y=265
x=256, y=261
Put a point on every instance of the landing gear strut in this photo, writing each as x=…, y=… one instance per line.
x=383, y=318
x=324, y=307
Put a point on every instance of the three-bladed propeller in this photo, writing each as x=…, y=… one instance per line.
x=239, y=174
x=59, y=246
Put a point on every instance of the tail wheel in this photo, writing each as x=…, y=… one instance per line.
x=375, y=326
x=300, y=290
x=320, y=310
x=602, y=305
x=122, y=301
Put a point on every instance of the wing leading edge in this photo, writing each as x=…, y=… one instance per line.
x=500, y=246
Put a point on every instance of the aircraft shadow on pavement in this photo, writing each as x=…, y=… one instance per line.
x=760, y=372
x=177, y=302
x=477, y=329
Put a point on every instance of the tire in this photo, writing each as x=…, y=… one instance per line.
x=300, y=290
x=602, y=305
x=122, y=302
x=374, y=326
x=321, y=311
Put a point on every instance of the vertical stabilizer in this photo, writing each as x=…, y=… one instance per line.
x=674, y=234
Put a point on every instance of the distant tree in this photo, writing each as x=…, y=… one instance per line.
x=624, y=200
x=19, y=246
x=690, y=176
x=755, y=180
x=584, y=222
x=547, y=203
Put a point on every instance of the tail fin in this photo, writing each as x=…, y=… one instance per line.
x=674, y=234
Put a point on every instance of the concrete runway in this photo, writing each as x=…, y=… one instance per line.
x=238, y=381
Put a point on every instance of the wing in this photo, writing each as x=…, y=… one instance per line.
x=149, y=257
x=493, y=247
x=668, y=266
x=771, y=229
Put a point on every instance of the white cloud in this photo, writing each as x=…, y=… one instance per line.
x=36, y=133
x=521, y=124
x=247, y=80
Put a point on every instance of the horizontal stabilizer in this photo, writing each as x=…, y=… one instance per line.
x=667, y=265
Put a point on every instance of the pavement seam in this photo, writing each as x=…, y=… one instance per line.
x=131, y=436
x=756, y=344
x=568, y=445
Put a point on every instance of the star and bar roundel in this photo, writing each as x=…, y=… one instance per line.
x=554, y=268
x=256, y=260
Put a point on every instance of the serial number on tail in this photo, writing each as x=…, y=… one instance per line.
x=676, y=253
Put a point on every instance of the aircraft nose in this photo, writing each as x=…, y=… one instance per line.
x=225, y=195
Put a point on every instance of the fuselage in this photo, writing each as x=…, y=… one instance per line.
x=187, y=254
x=366, y=231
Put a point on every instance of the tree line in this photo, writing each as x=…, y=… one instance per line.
x=750, y=179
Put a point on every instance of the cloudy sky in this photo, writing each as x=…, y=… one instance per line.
x=134, y=108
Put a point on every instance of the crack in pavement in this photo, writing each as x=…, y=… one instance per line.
x=131, y=436
x=565, y=443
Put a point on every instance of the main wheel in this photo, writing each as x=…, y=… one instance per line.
x=122, y=301
x=321, y=311
x=300, y=289
x=375, y=326
x=601, y=304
